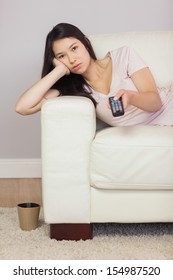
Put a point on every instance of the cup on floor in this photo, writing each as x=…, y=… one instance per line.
x=28, y=214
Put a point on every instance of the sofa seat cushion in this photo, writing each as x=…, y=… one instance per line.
x=138, y=157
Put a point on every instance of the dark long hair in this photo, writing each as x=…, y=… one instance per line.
x=73, y=84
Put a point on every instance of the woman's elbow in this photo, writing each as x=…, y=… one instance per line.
x=24, y=111
x=20, y=110
x=158, y=105
x=155, y=102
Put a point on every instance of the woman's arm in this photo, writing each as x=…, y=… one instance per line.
x=147, y=97
x=28, y=111
x=32, y=99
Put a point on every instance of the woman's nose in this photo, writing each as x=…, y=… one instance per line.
x=71, y=59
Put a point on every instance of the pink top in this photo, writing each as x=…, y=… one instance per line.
x=125, y=61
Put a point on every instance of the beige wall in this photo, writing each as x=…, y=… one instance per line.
x=23, y=28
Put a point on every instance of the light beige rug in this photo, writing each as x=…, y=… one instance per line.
x=111, y=241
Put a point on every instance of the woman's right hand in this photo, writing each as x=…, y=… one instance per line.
x=60, y=65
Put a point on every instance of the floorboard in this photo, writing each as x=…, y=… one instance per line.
x=14, y=191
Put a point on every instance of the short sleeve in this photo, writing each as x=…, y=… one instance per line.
x=126, y=61
x=134, y=61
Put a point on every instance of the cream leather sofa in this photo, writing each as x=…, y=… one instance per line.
x=108, y=174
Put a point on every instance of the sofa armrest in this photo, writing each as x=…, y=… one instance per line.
x=68, y=128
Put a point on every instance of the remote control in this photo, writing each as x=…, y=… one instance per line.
x=116, y=106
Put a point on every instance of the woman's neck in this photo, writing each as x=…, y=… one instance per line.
x=94, y=71
x=99, y=74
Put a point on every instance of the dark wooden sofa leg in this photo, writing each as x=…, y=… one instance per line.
x=71, y=231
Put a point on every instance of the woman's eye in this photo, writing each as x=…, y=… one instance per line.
x=74, y=48
x=60, y=56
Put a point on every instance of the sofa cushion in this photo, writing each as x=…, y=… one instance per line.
x=138, y=157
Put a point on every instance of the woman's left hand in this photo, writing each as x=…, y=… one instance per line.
x=125, y=94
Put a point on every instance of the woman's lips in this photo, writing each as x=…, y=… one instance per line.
x=77, y=66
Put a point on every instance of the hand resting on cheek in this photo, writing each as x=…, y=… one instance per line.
x=57, y=63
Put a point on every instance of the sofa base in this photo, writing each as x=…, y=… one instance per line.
x=71, y=231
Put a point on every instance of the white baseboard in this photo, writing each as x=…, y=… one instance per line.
x=20, y=168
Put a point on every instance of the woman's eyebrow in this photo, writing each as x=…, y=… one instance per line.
x=68, y=47
x=72, y=45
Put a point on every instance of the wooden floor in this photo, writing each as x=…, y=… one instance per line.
x=14, y=191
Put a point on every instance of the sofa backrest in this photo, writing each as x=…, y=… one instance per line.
x=156, y=49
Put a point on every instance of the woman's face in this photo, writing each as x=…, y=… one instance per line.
x=71, y=52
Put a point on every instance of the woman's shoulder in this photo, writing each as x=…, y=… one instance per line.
x=126, y=55
x=120, y=51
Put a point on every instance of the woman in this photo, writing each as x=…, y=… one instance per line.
x=71, y=68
